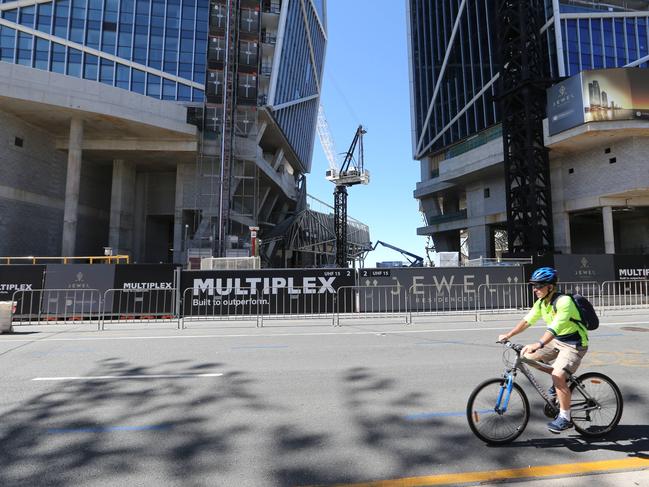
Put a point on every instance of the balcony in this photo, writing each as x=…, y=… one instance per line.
x=448, y=217
x=267, y=38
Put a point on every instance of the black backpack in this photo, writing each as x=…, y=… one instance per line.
x=589, y=317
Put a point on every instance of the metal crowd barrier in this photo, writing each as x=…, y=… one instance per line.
x=296, y=302
x=623, y=295
x=348, y=302
x=139, y=306
x=56, y=306
x=242, y=305
x=370, y=302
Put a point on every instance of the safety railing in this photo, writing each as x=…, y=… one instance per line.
x=237, y=304
x=92, y=259
x=139, y=306
x=297, y=302
x=56, y=306
x=370, y=302
x=625, y=295
x=503, y=298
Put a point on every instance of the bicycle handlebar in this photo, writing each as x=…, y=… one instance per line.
x=518, y=348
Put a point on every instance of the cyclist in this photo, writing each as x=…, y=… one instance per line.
x=564, y=342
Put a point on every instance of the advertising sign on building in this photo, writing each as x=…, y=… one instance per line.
x=271, y=291
x=20, y=281
x=601, y=95
x=565, y=105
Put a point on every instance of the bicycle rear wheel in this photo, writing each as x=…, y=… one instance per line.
x=495, y=427
x=599, y=410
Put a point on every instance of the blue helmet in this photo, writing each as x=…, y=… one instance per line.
x=544, y=275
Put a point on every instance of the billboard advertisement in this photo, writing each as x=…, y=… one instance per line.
x=271, y=291
x=144, y=289
x=435, y=289
x=76, y=289
x=22, y=279
x=601, y=95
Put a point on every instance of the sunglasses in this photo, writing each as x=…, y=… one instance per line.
x=539, y=286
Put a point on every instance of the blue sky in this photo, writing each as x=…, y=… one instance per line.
x=366, y=81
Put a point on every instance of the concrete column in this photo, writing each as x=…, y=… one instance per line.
x=73, y=180
x=479, y=242
x=120, y=233
x=609, y=238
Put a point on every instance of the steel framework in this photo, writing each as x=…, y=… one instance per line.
x=522, y=102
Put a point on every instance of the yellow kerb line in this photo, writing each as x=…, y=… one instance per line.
x=517, y=473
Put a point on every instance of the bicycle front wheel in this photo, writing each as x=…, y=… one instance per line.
x=492, y=425
x=597, y=408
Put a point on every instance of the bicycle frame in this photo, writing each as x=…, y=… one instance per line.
x=521, y=364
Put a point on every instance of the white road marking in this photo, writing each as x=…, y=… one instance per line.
x=119, y=377
x=334, y=333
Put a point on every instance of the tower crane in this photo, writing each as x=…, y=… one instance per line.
x=349, y=173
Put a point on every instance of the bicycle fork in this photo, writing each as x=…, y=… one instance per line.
x=504, y=394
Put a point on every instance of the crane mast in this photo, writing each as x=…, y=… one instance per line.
x=350, y=173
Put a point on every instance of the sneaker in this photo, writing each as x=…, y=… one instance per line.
x=560, y=424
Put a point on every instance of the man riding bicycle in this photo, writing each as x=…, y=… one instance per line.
x=564, y=343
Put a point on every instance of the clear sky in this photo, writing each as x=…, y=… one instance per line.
x=366, y=82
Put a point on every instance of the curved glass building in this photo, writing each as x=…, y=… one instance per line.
x=456, y=121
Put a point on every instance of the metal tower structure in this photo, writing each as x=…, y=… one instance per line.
x=350, y=173
x=522, y=101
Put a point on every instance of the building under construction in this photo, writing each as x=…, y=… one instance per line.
x=164, y=131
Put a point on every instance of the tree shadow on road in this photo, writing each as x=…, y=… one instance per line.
x=166, y=430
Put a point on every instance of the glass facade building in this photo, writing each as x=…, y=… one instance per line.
x=456, y=130
x=156, y=48
x=453, y=58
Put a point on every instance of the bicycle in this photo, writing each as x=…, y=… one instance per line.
x=498, y=409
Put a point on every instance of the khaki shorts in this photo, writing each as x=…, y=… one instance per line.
x=566, y=357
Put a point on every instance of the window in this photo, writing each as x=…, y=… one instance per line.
x=487, y=193
x=18, y=141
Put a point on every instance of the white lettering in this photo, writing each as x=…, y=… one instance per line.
x=206, y=285
x=416, y=283
x=309, y=285
x=326, y=285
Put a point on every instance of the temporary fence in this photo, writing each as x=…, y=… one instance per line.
x=300, y=303
x=56, y=306
x=623, y=295
x=200, y=306
x=139, y=306
x=370, y=302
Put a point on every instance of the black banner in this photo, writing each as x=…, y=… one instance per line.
x=80, y=288
x=22, y=278
x=271, y=291
x=434, y=288
x=144, y=289
x=581, y=267
x=631, y=267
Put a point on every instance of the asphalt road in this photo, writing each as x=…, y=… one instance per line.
x=293, y=403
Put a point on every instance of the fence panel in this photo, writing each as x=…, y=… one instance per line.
x=205, y=306
x=295, y=302
x=504, y=297
x=56, y=306
x=139, y=306
x=625, y=295
x=370, y=302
